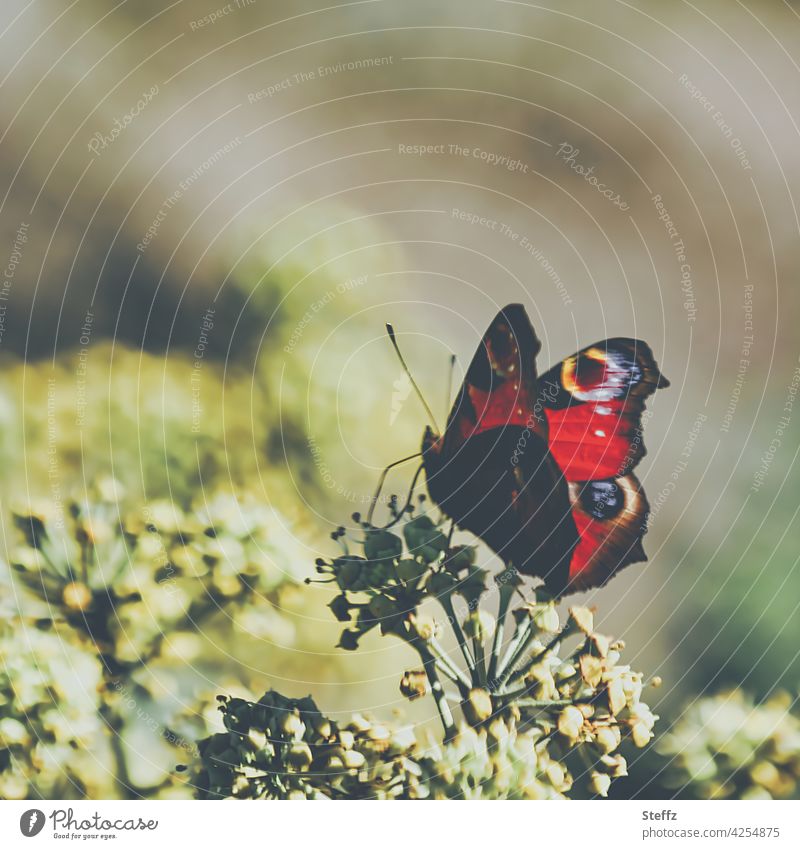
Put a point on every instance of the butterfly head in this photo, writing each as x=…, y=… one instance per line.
x=431, y=442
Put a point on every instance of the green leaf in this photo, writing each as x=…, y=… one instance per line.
x=382, y=545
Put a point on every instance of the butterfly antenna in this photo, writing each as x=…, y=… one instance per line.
x=390, y=331
x=450, y=383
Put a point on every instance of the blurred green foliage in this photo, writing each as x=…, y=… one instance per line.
x=729, y=746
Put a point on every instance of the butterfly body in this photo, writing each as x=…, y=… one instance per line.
x=540, y=468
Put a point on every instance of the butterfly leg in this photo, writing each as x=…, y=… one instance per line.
x=450, y=534
x=382, y=480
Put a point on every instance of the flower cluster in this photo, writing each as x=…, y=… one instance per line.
x=49, y=722
x=531, y=703
x=129, y=581
x=102, y=599
x=730, y=746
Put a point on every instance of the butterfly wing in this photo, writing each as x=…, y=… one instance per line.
x=491, y=471
x=594, y=405
x=540, y=469
x=499, y=388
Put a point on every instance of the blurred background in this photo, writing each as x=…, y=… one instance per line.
x=209, y=212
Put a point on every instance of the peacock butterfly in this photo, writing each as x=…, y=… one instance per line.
x=540, y=468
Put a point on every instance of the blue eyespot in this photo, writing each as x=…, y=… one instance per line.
x=602, y=500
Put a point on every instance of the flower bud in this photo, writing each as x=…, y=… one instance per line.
x=353, y=759
x=477, y=706
x=479, y=625
x=583, y=619
x=591, y=669
x=77, y=596
x=424, y=626
x=616, y=765
x=564, y=671
x=616, y=696
x=299, y=755
x=607, y=739
x=424, y=539
x=601, y=644
x=414, y=684
x=292, y=726
x=376, y=575
x=600, y=783
x=570, y=723
x=555, y=774
x=321, y=725
x=348, y=640
x=546, y=619
x=498, y=731
x=641, y=734
x=543, y=685
x=640, y=712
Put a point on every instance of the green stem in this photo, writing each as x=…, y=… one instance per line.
x=506, y=590
x=447, y=603
x=446, y=664
x=480, y=660
x=524, y=639
x=512, y=676
x=439, y=696
x=542, y=704
x=520, y=630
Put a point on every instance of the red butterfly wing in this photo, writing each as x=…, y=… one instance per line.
x=499, y=388
x=539, y=469
x=594, y=404
x=611, y=518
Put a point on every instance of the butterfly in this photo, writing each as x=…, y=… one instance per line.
x=540, y=467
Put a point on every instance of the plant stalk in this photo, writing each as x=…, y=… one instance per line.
x=439, y=696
